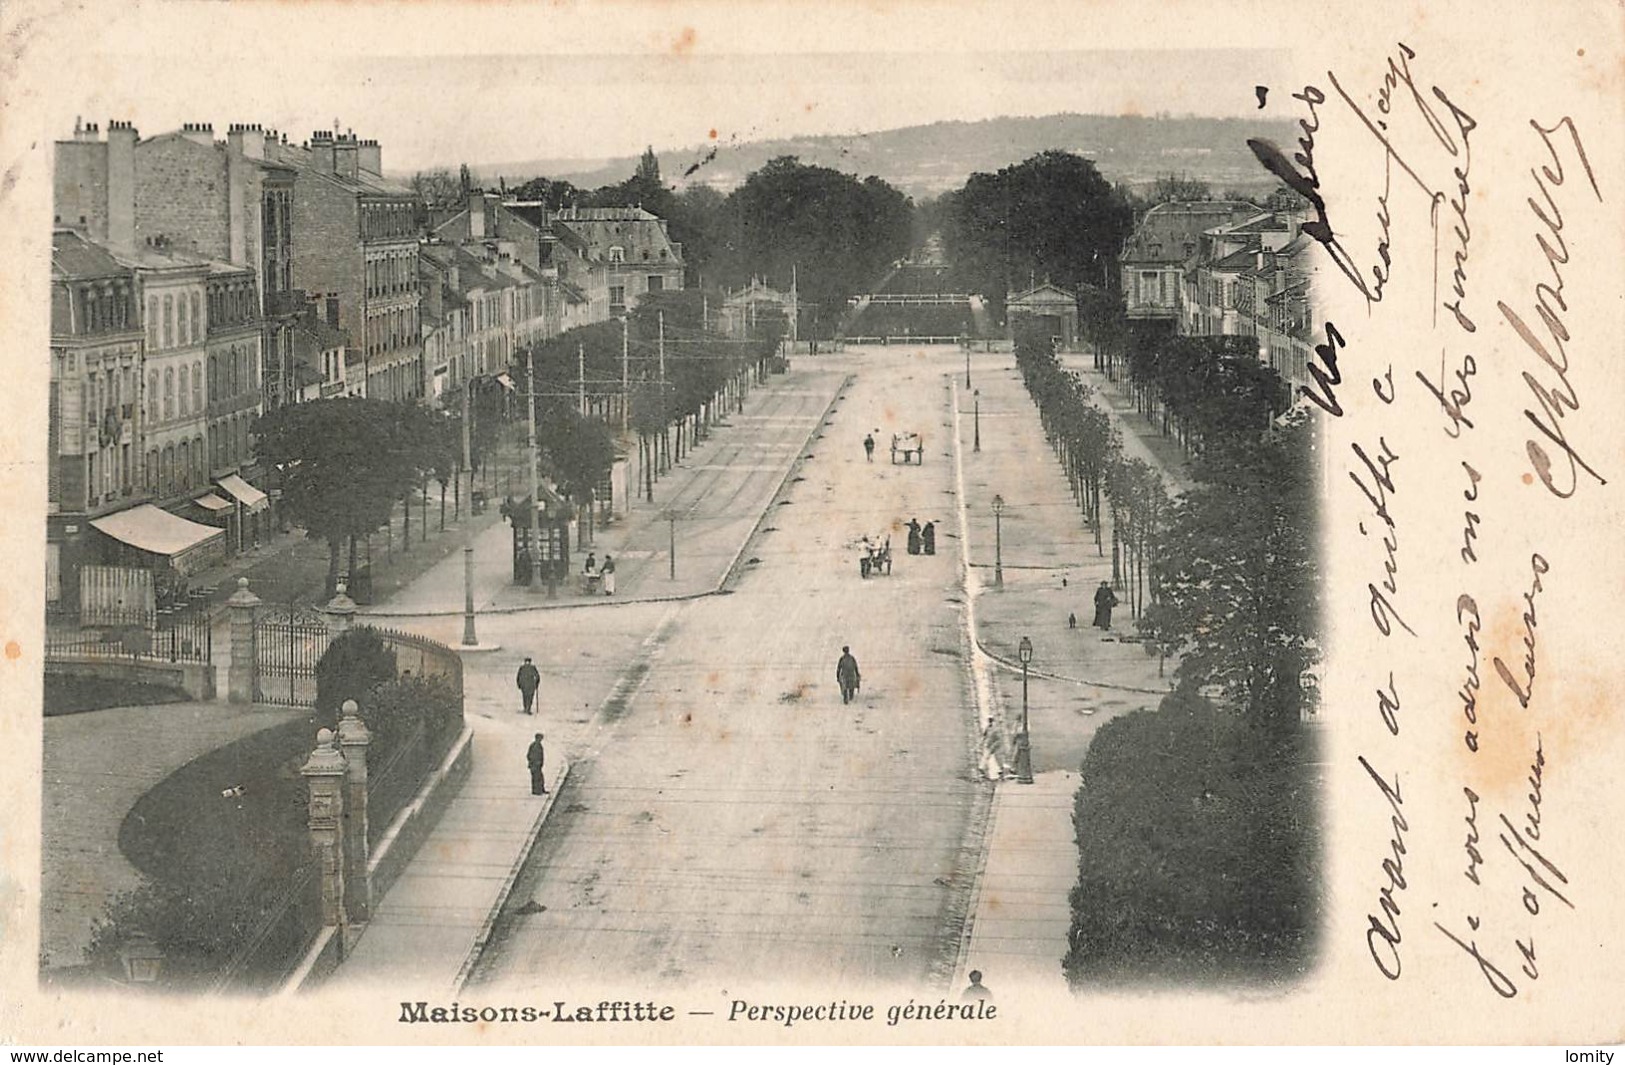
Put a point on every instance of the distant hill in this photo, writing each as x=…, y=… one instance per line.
x=927, y=160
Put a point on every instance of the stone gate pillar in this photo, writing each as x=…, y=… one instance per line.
x=324, y=774
x=240, y=670
x=339, y=611
x=353, y=740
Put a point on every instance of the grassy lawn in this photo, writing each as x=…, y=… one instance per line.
x=227, y=870
x=78, y=695
x=185, y=832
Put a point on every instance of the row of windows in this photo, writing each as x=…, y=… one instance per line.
x=392, y=329
x=189, y=394
x=231, y=304
x=381, y=221
x=392, y=275
x=180, y=324
x=617, y=254
x=103, y=307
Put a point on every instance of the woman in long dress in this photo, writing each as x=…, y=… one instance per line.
x=608, y=575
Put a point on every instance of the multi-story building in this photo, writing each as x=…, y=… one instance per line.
x=173, y=205
x=1218, y=268
x=489, y=309
x=93, y=457
x=1163, y=247
x=358, y=245
x=637, y=253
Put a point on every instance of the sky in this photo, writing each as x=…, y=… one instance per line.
x=495, y=83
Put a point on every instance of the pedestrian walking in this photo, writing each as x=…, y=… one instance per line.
x=976, y=992
x=1072, y=621
x=928, y=538
x=528, y=680
x=846, y=675
x=869, y=447
x=1105, y=599
x=608, y=573
x=914, y=536
x=535, y=757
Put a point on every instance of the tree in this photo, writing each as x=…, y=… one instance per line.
x=1236, y=575
x=649, y=167
x=1053, y=216
x=343, y=463
x=837, y=233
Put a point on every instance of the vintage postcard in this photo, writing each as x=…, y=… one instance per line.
x=924, y=522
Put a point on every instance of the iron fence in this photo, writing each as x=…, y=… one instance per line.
x=177, y=635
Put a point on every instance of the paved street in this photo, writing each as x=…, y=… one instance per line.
x=731, y=817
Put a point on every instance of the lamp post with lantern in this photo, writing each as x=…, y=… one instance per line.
x=998, y=542
x=1024, y=754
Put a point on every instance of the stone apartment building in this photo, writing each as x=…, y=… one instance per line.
x=93, y=457
x=356, y=252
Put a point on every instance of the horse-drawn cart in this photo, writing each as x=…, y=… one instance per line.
x=908, y=445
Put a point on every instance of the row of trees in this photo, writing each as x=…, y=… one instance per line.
x=1196, y=822
x=837, y=232
x=1090, y=449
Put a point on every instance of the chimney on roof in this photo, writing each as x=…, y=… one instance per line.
x=199, y=132
x=121, y=138
x=371, y=157
x=246, y=139
x=321, y=151
x=346, y=156
x=476, y=215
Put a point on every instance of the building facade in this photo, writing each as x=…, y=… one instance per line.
x=357, y=248
x=94, y=457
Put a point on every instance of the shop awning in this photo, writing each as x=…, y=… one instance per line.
x=505, y=381
x=147, y=528
x=212, y=502
x=250, y=497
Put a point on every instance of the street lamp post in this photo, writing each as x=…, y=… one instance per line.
x=978, y=395
x=469, y=639
x=1024, y=753
x=998, y=543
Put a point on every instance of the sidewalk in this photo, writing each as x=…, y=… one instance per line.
x=1078, y=679
x=719, y=493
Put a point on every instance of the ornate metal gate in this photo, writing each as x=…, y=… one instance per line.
x=288, y=642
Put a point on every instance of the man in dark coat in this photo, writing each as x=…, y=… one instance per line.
x=914, y=536
x=535, y=757
x=528, y=681
x=846, y=675
x=1105, y=599
x=928, y=538
x=869, y=447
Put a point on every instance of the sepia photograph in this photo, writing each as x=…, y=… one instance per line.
x=711, y=538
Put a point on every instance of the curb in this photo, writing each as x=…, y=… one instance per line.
x=482, y=938
x=719, y=588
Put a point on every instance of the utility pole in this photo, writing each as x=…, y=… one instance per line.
x=467, y=446
x=660, y=320
x=535, y=488
x=581, y=378
x=626, y=378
